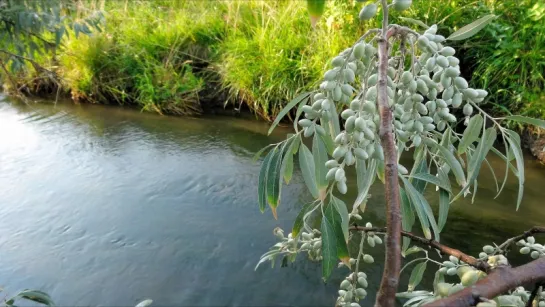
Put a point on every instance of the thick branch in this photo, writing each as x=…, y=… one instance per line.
x=476, y=263
x=392, y=263
x=501, y=280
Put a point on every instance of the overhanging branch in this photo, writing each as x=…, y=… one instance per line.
x=476, y=263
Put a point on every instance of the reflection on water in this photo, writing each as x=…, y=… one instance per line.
x=107, y=206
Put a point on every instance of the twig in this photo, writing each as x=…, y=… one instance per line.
x=533, y=295
x=476, y=263
x=534, y=230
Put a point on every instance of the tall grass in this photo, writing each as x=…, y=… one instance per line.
x=165, y=56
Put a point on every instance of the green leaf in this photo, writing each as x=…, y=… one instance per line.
x=514, y=142
x=287, y=163
x=427, y=177
x=274, y=181
x=366, y=177
x=471, y=29
x=144, y=303
x=299, y=220
x=416, y=275
x=334, y=217
x=414, y=249
x=319, y=152
x=407, y=218
x=260, y=152
x=36, y=296
x=420, y=166
x=297, y=115
x=329, y=144
x=316, y=9
x=477, y=158
x=451, y=161
x=288, y=167
x=472, y=132
x=301, y=98
x=444, y=205
x=414, y=21
x=262, y=181
x=380, y=170
x=306, y=162
x=423, y=210
x=341, y=208
x=329, y=248
x=527, y=120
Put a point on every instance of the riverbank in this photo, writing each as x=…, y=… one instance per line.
x=183, y=57
x=197, y=57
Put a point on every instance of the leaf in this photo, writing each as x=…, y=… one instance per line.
x=297, y=115
x=527, y=120
x=471, y=133
x=36, y=296
x=477, y=158
x=260, y=152
x=301, y=98
x=306, y=162
x=274, y=181
x=262, y=181
x=444, y=205
x=414, y=21
x=299, y=220
x=288, y=167
x=423, y=210
x=329, y=248
x=414, y=249
x=334, y=217
x=367, y=179
x=144, y=303
x=514, y=142
x=427, y=177
x=471, y=29
x=287, y=163
x=329, y=144
x=316, y=9
x=420, y=166
x=453, y=163
x=341, y=208
x=416, y=275
x=407, y=218
x=380, y=170
x=320, y=158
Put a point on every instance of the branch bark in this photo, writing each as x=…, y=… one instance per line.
x=499, y=281
x=476, y=263
x=392, y=263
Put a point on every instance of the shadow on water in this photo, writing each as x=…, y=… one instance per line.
x=108, y=206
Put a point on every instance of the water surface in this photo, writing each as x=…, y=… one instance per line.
x=109, y=206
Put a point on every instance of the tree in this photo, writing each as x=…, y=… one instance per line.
x=35, y=27
x=398, y=90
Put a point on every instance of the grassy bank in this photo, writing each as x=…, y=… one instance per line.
x=177, y=57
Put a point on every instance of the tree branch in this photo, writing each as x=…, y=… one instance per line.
x=533, y=295
x=392, y=263
x=476, y=263
x=534, y=230
x=501, y=280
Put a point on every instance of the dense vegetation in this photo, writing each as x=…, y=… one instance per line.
x=180, y=56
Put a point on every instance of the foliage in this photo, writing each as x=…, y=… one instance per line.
x=264, y=53
x=423, y=89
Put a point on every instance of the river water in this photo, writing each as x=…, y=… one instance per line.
x=109, y=206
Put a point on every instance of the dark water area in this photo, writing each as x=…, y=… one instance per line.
x=108, y=206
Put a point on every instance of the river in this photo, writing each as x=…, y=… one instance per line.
x=109, y=206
